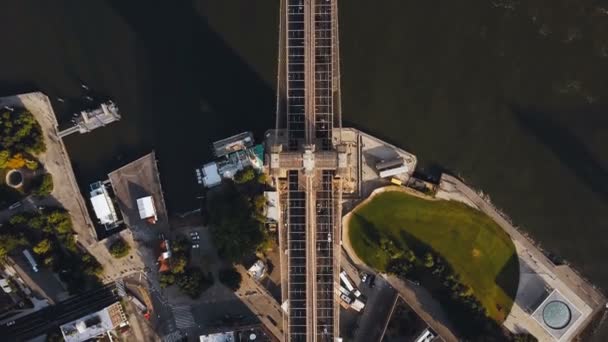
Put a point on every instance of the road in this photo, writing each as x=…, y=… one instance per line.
x=378, y=303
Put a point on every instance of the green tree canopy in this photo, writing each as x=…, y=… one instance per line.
x=193, y=282
x=9, y=242
x=245, y=175
x=120, y=248
x=20, y=132
x=234, y=230
x=44, y=185
x=43, y=247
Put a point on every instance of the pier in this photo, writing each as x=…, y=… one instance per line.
x=89, y=120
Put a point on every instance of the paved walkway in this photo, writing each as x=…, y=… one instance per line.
x=416, y=297
x=57, y=162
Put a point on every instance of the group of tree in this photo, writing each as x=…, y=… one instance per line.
x=119, y=248
x=464, y=309
x=43, y=185
x=21, y=139
x=236, y=216
x=50, y=236
x=190, y=280
x=20, y=132
x=17, y=161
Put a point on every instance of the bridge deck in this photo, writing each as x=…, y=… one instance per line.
x=307, y=90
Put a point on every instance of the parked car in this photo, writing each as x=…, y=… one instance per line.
x=372, y=281
x=363, y=277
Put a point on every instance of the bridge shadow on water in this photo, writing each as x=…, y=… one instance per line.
x=568, y=148
x=192, y=88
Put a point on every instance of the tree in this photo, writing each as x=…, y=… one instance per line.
x=43, y=247
x=246, y=175
x=91, y=265
x=178, y=263
x=193, y=282
x=45, y=186
x=15, y=162
x=429, y=262
x=20, y=132
x=31, y=164
x=234, y=230
x=119, y=248
x=262, y=178
x=4, y=157
x=231, y=278
x=9, y=242
x=166, y=279
x=61, y=221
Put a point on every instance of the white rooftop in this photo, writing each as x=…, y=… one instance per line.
x=87, y=327
x=104, y=210
x=272, y=210
x=145, y=205
x=211, y=176
x=218, y=337
x=257, y=270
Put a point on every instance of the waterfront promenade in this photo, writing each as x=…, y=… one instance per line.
x=579, y=292
x=56, y=162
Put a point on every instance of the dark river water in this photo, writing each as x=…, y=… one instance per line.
x=512, y=100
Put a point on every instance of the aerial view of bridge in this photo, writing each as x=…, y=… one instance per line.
x=308, y=162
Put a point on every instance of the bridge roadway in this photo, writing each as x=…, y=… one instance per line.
x=305, y=164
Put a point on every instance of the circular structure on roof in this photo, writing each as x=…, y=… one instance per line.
x=14, y=178
x=556, y=314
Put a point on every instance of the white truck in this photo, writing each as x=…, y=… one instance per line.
x=348, y=284
x=357, y=305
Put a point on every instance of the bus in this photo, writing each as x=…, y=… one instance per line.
x=31, y=260
x=396, y=181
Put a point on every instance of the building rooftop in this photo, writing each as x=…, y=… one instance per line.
x=145, y=206
x=232, y=144
x=93, y=325
x=103, y=206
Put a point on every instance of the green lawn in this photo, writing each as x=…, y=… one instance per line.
x=473, y=244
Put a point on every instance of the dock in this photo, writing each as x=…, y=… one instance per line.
x=88, y=120
x=136, y=180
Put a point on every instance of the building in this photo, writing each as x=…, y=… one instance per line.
x=233, y=155
x=94, y=325
x=165, y=255
x=103, y=206
x=272, y=209
x=557, y=315
x=232, y=144
x=257, y=270
x=147, y=211
x=243, y=334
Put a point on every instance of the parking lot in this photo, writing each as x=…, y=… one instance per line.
x=379, y=297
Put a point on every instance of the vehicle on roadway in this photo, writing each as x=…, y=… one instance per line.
x=31, y=260
x=195, y=246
